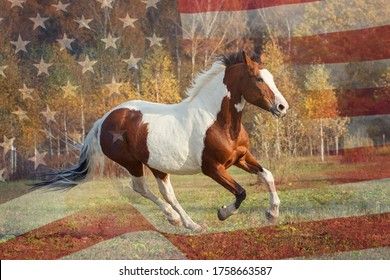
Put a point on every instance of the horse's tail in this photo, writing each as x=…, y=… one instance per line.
x=91, y=157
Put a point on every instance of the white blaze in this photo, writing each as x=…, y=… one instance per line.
x=269, y=80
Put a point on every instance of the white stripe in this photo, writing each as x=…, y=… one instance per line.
x=269, y=80
x=282, y=21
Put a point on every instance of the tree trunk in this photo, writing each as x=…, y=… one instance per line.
x=50, y=142
x=82, y=119
x=337, y=145
x=322, y=141
x=278, y=151
x=66, y=135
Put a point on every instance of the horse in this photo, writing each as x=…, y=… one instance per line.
x=202, y=133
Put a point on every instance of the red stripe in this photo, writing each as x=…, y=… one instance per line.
x=200, y=6
x=360, y=102
x=74, y=233
x=289, y=241
x=348, y=46
x=363, y=102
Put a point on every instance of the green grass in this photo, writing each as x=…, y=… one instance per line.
x=303, y=197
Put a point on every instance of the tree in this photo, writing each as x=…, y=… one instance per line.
x=158, y=81
x=208, y=34
x=320, y=104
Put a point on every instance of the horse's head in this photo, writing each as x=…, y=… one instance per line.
x=259, y=88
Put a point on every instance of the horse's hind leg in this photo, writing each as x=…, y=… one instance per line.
x=140, y=186
x=165, y=187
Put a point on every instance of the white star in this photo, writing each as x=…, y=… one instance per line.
x=83, y=22
x=20, y=44
x=26, y=92
x=7, y=144
x=2, y=175
x=87, y=64
x=132, y=61
x=16, y=3
x=128, y=21
x=117, y=135
x=113, y=87
x=151, y=3
x=65, y=43
x=22, y=115
x=154, y=40
x=39, y=21
x=38, y=158
x=69, y=90
x=49, y=114
x=110, y=41
x=61, y=7
x=2, y=68
x=105, y=3
x=43, y=67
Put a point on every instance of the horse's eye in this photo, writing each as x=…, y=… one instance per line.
x=259, y=80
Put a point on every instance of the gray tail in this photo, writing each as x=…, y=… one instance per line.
x=90, y=158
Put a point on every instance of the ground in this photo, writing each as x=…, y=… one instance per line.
x=336, y=209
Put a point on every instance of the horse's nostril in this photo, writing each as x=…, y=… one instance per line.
x=280, y=107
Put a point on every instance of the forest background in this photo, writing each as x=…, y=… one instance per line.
x=63, y=65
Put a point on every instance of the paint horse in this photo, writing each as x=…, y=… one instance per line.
x=203, y=133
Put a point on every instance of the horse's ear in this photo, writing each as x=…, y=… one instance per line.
x=247, y=60
x=263, y=58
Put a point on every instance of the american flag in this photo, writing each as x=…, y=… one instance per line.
x=71, y=47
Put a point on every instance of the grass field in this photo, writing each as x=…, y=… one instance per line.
x=307, y=190
x=201, y=197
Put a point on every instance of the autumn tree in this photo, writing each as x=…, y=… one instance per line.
x=320, y=105
x=158, y=81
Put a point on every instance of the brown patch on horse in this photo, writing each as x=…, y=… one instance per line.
x=123, y=139
x=225, y=142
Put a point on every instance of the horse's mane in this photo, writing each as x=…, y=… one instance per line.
x=231, y=59
x=235, y=58
x=204, y=77
x=220, y=65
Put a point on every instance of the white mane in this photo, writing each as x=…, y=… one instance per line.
x=203, y=78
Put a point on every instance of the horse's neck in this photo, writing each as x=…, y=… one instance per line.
x=222, y=101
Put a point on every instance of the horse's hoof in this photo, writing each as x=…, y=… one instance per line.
x=271, y=217
x=222, y=214
x=175, y=222
x=225, y=212
x=199, y=228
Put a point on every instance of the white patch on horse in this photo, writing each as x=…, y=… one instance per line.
x=228, y=94
x=268, y=178
x=240, y=106
x=269, y=80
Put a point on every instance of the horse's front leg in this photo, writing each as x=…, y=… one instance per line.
x=219, y=174
x=249, y=164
